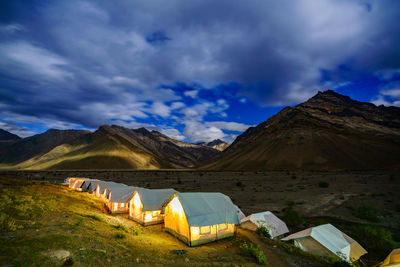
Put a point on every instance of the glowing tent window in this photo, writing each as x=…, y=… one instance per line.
x=136, y=200
x=148, y=216
x=176, y=206
x=205, y=230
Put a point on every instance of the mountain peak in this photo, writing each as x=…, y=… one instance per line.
x=7, y=136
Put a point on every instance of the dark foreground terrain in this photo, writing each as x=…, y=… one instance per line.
x=366, y=205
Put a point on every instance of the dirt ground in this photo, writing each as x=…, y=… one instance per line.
x=260, y=191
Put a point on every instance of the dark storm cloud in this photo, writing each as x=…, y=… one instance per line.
x=87, y=63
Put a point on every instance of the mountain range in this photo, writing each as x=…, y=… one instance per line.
x=330, y=131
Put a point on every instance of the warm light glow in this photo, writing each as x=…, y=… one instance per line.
x=148, y=216
x=122, y=205
x=176, y=206
x=136, y=200
x=115, y=206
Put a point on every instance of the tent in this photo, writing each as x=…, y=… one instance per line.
x=75, y=182
x=146, y=205
x=327, y=240
x=104, y=190
x=198, y=218
x=393, y=259
x=97, y=188
x=86, y=183
x=275, y=225
x=118, y=198
x=240, y=212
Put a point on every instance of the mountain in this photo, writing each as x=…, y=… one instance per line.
x=36, y=146
x=7, y=136
x=217, y=144
x=330, y=131
x=116, y=147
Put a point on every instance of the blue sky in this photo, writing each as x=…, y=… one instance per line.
x=194, y=70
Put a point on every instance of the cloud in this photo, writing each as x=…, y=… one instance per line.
x=173, y=133
x=231, y=126
x=199, y=132
x=191, y=94
x=100, y=62
x=388, y=96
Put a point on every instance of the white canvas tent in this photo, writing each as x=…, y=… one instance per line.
x=275, y=225
x=240, y=212
x=327, y=240
x=118, y=198
x=146, y=205
x=198, y=218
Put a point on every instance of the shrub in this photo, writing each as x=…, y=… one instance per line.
x=120, y=227
x=239, y=184
x=92, y=216
x=136, y=230
x=292, y=217
x=253, y=251
x=373, y=238
x=263, y=231
x=323, y=184
x=367, y=212
x=294, y=177
x=119, y=235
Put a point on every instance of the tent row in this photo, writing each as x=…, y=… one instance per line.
x=199, y=218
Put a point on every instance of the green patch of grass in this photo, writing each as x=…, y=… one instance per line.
x=120, y=235
x=92, y=216
x=249, y=249
x=120, y=227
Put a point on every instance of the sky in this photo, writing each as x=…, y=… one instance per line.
x=194, y=70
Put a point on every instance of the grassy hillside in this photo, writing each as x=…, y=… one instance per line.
x=40, y=222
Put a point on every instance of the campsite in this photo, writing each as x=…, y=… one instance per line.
x=226, y=250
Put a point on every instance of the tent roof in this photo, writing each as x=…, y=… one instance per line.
x=275, y=225
x=154, y=199
x=393, y=259
x=333, y=239
x=93, y=185
x=203, y=209
x=86, y=183
x=109, y=186
x=122, y=194
x=240, y=212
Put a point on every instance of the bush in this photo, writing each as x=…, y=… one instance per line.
x=120, y=235
x=367, y=212
x=120, y=227
x=239, y=184
x=291, y=217
x=373, y=238
x=323, y=184
x=263, y=231
x=254, y=251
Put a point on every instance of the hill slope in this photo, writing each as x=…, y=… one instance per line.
x=37, y=145
x=115, y=147
x=328, y=132
x=216, y=144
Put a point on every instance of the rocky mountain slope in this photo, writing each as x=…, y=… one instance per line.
x=115, y=147
x=328, y=132
x=217, y=144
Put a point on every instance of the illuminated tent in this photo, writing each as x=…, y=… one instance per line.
x=97, y=188
x=327, y=240
x=146, y=205
x=104, y=190
x=118, y=198
x=275, y=225
x=240, y=212
x=198, y=218
x=76, y=183
x=86, y=183
x=393, y=259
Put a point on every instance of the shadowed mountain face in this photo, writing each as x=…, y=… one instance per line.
x=328, y=132
x=7, y=136
x=37, y=145
x=115, y=147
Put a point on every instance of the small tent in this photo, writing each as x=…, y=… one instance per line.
x=75, y=183
x=240, y=212
x=86, y=183
x=393, y=259
x=118, y=198
x=327, y=240
x=104, y=190
x=198, y=218
x=146, y=205
x=275, y=226
x=97, y=188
